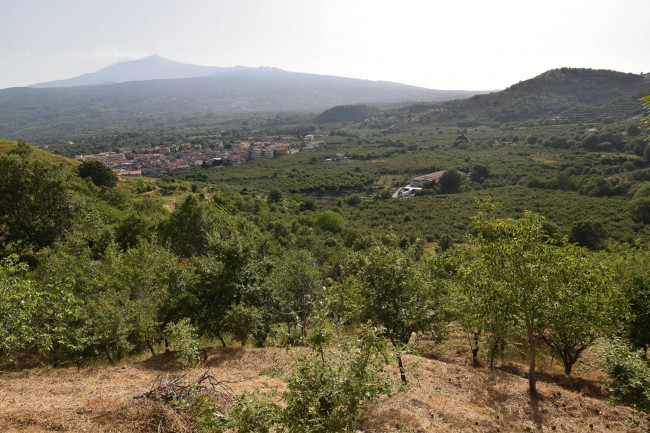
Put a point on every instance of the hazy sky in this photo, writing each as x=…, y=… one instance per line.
x=460, y=44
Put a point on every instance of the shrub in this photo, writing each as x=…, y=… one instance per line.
x=328, y=390
x=184, y=341
x=640, y=209
x=245, y=321
x=330, y=221
x=629, y=375
x=353, y=200
x=98, y=172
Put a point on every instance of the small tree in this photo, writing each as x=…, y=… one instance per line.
x=546, y=288
x=274, y=196
x=398, y=294
x=31, y=317
x=640, y=209
x=244, y=321
x=184, y=341
x=450, y=181
x=584, y=305
x=353, y=200
x=98, y=172
x=330, y=221
x=328, y=390
x=588, y=234
x=297, y=285
x=628, y=374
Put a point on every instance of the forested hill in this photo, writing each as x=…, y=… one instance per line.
x=346, y=113
x=25, y=113
x=561, y=94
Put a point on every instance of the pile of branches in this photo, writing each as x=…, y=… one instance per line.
x=179, y=392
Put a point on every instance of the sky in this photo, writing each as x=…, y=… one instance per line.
x=459, y=44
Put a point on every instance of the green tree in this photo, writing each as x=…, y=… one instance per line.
x=584, y=305
x=37, y=201
x=640, y=209
x=245, y=321
x=541, y=286
x=479, y=172
x=628, y=374
x=184, y=341
x=330, y=221
x=328, y=390
x=228, y=273
x=98, y=172
x=474, y=308
x=126, y=295
x=398, y=294
x=297, y=285
x=188, y=227
x=632, y=273
x=450, y=181
x=353, y=200
x=274, y=196
x=588, y=234
x=33, y=318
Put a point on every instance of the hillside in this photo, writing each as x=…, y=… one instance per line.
x=448, y=397
x=26, y=113
x=7, y=146
x=560, y=94
x=346, y=113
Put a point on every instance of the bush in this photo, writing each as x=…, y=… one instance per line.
x=629, y=375
x=330, y=221
x=640, y=209
x=328, y=390
x=33, y=317
x=184, y=341
x=244, y=321
x=353, y=200
x=98, y=172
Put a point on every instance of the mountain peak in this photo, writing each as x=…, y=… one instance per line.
x=153, y=67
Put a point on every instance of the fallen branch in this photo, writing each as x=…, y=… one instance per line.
x=180, y=390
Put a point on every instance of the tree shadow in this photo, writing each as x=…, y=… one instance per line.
x=217, y=356
x=589, y=388
x=165, y=361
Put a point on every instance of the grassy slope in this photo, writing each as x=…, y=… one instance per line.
x=7, y=146
x=448, y=396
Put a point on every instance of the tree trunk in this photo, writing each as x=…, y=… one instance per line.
x=402, y=372
x=223, y=342
x=166, y=345
x=150, y=346
x=304, y=318
x=475, y=351
x=108, y=356
x=567, y=368
x=532, y=378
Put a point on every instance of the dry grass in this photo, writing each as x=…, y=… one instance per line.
x=448, y=396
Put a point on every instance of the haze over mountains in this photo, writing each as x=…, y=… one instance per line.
x=149, y=68
x=154, y=91
x=124, y=95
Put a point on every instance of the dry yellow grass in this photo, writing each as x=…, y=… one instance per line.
x=448, y=396
x=7, y=146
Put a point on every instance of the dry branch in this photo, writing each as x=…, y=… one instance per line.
x=181, y=390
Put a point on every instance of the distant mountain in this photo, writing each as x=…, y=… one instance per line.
x=26, y=113
x=149, y=68
x=560, y=94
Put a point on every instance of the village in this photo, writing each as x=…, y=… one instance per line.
x=207, y=151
